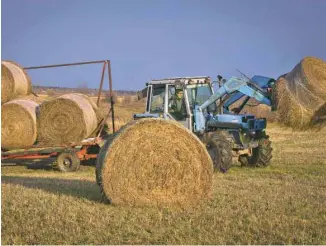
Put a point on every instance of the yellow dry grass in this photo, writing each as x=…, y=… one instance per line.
x=284, y=203
x=123, y=112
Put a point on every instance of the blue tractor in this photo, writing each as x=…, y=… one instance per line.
x=192, y=102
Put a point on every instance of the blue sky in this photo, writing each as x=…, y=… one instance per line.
x=147, y=39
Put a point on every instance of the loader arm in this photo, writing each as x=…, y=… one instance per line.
x=266, y=86
x=243, y=87
x=236, y=87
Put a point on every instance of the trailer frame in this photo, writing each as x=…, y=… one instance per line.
x=72, y=152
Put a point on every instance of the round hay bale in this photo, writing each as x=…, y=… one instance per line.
x=14, y=81
x=66, y=119
x=301, y=94
x=319, y=117
x=308, y=76
x=154, y=162
x=297, y=112
x=18, y=124
x=99, y=114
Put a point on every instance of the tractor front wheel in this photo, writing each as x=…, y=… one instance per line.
x=220, y=149
x=260, y=156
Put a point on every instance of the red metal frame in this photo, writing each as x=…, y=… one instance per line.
x=101, y=82
x=82, y=154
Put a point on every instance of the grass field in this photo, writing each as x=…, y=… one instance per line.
x=284, y=203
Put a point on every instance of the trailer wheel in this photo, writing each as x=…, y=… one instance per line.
x=67, y=162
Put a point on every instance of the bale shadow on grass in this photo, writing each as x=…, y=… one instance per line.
x=82, y=189
x=37, y=164
x=41, y=164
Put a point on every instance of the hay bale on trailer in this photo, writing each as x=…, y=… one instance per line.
x=14, y=81
x=66, y=119
x=154, y=162
x=119, y=122
x=99, y=115
x=18, y=124
x=301, y=94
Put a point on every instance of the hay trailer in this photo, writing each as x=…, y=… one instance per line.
x=69, y=156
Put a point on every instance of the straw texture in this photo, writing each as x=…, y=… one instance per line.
x=66, y=119
x=14, y=81
x=18, y=124
x=154, y=162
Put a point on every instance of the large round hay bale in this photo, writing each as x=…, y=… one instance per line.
x=308, y=76
x=18, y=124
x=154, y=162
x=301, y=94
x=14, y=81
x=297, y=112
x=98, y=112
x=66, y=119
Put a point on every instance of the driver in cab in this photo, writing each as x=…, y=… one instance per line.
x=177, y=107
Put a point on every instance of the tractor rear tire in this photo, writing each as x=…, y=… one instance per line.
x=67, y=162
x=261, y=155
x=219, y=148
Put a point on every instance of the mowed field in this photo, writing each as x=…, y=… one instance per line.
x=284, y=203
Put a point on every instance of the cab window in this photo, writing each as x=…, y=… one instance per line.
x=198, y=94
x=157, y=102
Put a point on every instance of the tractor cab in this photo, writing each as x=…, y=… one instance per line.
x=175, y=98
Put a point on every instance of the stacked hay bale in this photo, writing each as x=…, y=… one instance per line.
x=154, y=162
x=66, y=119
x=18, y=124
x=63, y=120
x=14, y=81
x=301, y=94
x=28, y=120
x=18, y=117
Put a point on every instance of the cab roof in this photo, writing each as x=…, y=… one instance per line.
x=181, y=80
